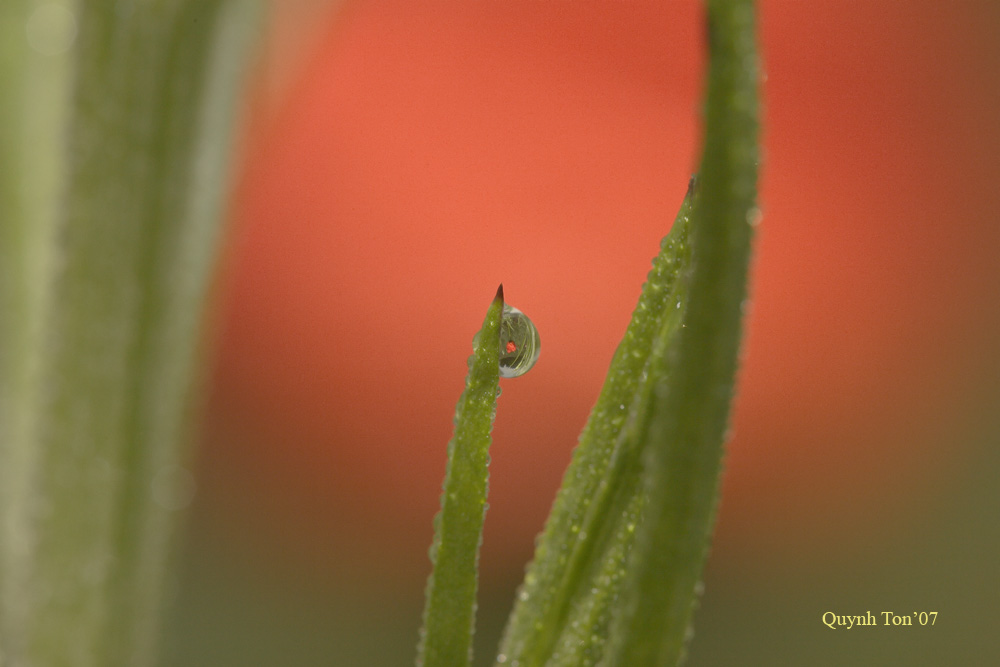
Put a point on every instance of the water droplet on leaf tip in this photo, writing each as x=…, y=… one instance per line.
x=520, y=344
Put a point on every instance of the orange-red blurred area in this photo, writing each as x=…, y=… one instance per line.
x=425, y=153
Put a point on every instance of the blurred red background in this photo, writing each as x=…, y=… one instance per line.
x=403, y=160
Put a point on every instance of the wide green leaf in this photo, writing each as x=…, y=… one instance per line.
x=616, y=569
x=688, y=419
x=592, y=522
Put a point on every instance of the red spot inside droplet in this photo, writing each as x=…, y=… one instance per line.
x=511, y=347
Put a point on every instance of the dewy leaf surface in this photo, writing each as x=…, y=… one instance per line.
x=449, y=612
x=576, y=570
x=647, y=466
x=686, y=427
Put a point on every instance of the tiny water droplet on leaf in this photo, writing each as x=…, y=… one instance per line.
x=520, y=344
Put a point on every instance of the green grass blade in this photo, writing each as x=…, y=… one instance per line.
x=684, y=439
x=34, y=93
x=575, y=574
x=449, y=612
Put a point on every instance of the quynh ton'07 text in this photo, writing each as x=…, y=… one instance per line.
x=837, y=621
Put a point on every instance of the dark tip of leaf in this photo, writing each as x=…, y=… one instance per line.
x=692, y=185
x=499, y=296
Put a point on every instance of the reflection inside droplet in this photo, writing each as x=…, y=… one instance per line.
x=520, y=344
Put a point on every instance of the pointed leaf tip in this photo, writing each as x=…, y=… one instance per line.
x=692, y=185
x=499, y=296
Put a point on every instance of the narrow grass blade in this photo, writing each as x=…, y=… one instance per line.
x=449, y=612
x=684, y=438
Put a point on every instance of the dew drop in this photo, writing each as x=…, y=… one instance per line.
x=520, y=344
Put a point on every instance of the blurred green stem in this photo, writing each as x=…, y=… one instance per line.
x=34, y=94
x=110, y=228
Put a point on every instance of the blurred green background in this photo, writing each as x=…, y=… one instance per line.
x=862, y=475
